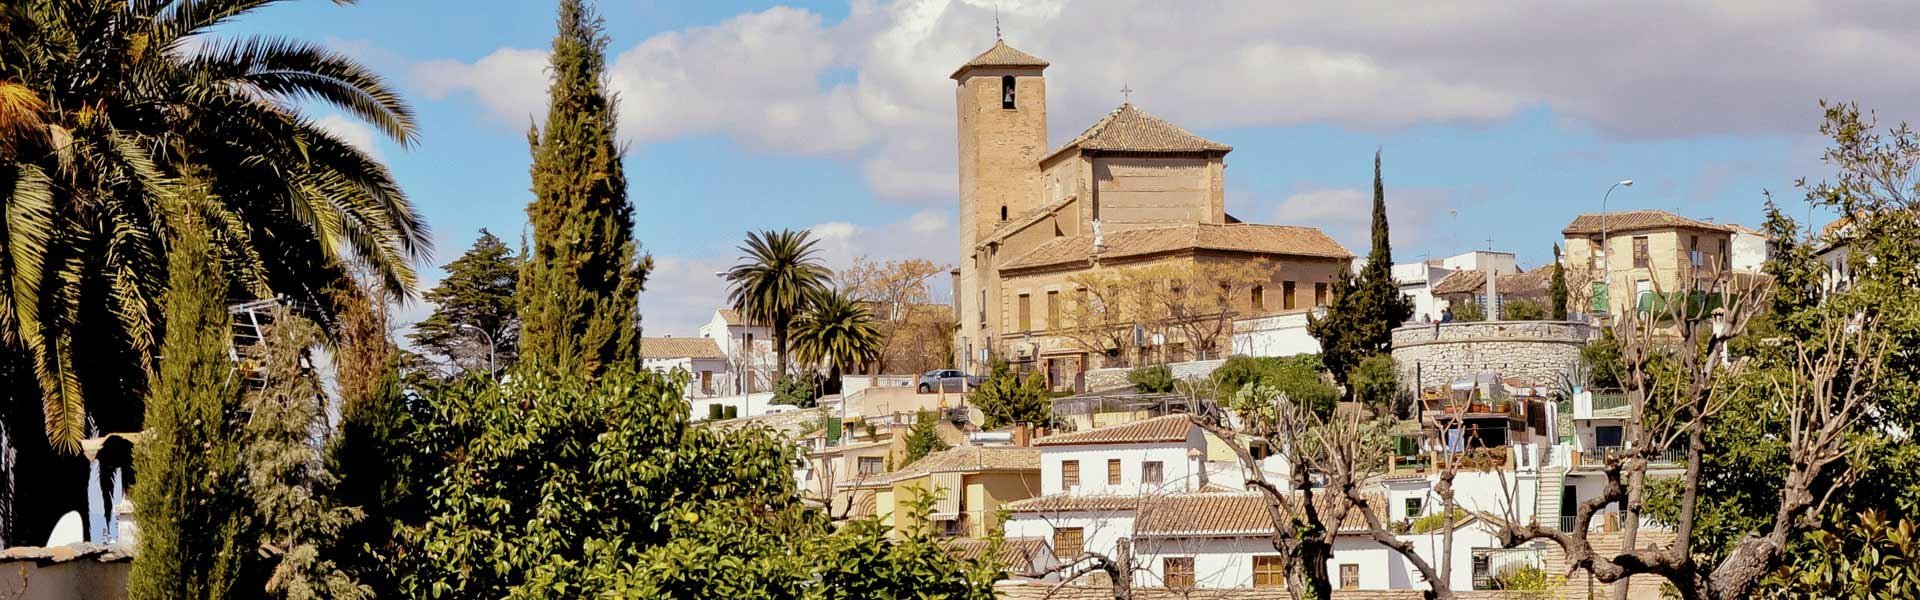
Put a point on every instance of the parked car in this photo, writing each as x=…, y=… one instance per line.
x=948, y=379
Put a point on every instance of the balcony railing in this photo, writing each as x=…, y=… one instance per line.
x=1567, y=523
x=1609, y=401
x=1597, y=457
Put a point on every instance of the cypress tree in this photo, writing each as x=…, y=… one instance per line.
x=1559, y=287
x=579, y=286
x=1365, y=309
x=188, y=500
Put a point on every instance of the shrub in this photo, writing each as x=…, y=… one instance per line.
x=802, y=391
x=1155, y=379
x=1300, y=377
x=1376, y=383
x=1469, y=312
x=1522, y=309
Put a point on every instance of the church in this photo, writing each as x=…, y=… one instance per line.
x=1133, y=191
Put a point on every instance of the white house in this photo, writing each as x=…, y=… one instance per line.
x=747, y=349
x=700, y=358
x=1749, y=251
x=1145, y=486
x=1416, y=280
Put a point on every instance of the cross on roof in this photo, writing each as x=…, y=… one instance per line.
x=1126, y=93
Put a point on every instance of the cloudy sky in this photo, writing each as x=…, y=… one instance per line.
x=1499, y=121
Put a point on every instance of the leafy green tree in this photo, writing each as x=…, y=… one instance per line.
x=580, y=282
x=1366, y=308
x=1557, y=289
x=373, y=454
x=797, y=389
x=924, y=437
x=1522, y=309
x=837, y=330
x=189, y=500
x=294, y=518
x=780, y=274
x=1868, y=555
x=1376, y=383
x=475, y=323
x=1469, y=312
x=1151, y=379
x=1006, y=398
x=126, y=120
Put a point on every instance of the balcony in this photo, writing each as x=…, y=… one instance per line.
x=1437, y=410
x=1597, y=458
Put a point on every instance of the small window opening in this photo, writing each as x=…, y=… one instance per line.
x=1006, y=91
x=1003, y=212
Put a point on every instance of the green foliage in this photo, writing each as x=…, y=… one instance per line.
x=837, y=330
x=1007, y=398
x=795, y=389
x=1557, y=290
x=1604, y=364
x=1435, y=521
x=1527, y=581
x=581, y=279
x=1367, y=308
x=1469, y=312
x=474, y=320
x=1865, y=555
x=779, y=276
x=1522, y=309
x=189, y=499
x=924, y=437
x=1376, y=383
x=1151, y=379
x=1300, y=377
x=291, y=508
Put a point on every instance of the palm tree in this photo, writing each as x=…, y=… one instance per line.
x=780, y=274
x=838, y=329
x=122, y=119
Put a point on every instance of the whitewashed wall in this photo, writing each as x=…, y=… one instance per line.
x=1279, y=335
x=1178, y=472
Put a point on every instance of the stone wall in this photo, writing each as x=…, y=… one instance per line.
x=1106, y=379
x=1538, y=351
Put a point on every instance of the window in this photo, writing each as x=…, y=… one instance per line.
x=1053, y=309
x=1113, y=471
x=1269, y=572
x=1320, y=294
x=1026, y=312
x=1006, y=92
x=1177, y=573
x=1152, y=472
x=1066, y=542
x=872, y=465
x=1608, y=436
x=1597, y=253
x=1350, y=576
x=1259, y=300
x=1286, y=295
x=1069, y=474
x=706, y=382
x=1003, y=212
x=1413, y=507
x=1640, y=258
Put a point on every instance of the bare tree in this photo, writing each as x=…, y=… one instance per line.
x=1107, y=306
x=900, y=298
x=1197, y=299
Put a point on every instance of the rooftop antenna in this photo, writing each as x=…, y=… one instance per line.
x=1126, y=93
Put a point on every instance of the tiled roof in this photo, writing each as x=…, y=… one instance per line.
x=1738, y=228
x=1530, y=283
x=1129, y=129
x=1236, y=514
x=1169, y=428
x=1635, y=220
x=1261, y=239
x=731, y=316
x=1025, y=219
x=70, y=552
x=1001, y=55
x=1016, y=554
x=1071, y=503
x=668, y=347
x=964, y=459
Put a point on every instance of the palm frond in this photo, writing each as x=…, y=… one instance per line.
x=181, y=19
x=294, y=70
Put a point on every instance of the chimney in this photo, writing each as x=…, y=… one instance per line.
x=1022, y=435
x=1493, y=295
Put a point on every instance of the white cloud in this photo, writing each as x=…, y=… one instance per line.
x=873, y=87
x=1346, y=214
x=353, y=132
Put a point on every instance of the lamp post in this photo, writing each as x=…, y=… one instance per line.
x=1606, y=249
x=493, y=350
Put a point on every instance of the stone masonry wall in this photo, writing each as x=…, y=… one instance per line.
x=1538, y=351
x=1106, y=379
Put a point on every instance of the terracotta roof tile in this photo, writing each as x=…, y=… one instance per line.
x=1025, y=219
x=667, y=347
x=1000, y=55
x=1129, y=129
x=1635, y=220
x=1169, y=428
x=963, y=459
x=1260, y=239
x=1069, y=503
x=1530, y=283
x=731, y=316
x=1236, y=514
x=1016, y=554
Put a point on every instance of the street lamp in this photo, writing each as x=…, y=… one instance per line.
x=1606, y=249
x=493, y=350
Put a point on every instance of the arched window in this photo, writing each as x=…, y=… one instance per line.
x=1006, y=91
x=1003, y=212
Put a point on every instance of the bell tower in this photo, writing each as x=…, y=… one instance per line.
x=1001, y=105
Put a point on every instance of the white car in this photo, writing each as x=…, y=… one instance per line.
x=952, y=380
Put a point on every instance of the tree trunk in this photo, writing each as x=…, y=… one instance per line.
x=779, y=349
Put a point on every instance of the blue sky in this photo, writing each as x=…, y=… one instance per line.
x=1498, y=122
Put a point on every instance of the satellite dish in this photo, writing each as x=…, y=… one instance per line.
x=67, y=531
